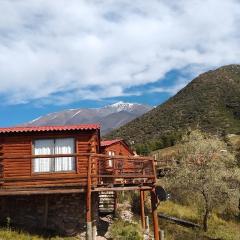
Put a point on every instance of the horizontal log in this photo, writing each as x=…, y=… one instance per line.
x=179, y=221
x=42, y=192
x=46, y=176
x=124, y=176
x=46, y=183
x=37, y=185
x=100, y=157
x=127, y=188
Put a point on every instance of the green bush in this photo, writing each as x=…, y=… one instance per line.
x=121, y=230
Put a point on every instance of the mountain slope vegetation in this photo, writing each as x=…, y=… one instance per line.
x=211, y=102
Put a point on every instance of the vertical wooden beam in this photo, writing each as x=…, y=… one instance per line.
x=154, y=214
x=142, y=209
x=115, y=203
x=94, y=214
x=147, y=225
x=89, y=202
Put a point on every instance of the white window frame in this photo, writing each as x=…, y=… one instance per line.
x=52, y=163
x=110, y=161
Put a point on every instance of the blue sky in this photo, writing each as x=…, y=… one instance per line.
x=20, y=113
x=62, y=54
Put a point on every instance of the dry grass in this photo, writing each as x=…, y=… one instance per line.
x=218, y=228
x=8, y=234
x=179, y=211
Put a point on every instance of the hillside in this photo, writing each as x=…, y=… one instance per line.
x=110, y=117
x=210, y=102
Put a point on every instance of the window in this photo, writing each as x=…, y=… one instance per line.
x=110, y=161
x=54, y=146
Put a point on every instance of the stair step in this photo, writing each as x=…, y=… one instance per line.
x=106, y=209
x=106, y=202
x=108, y=205
x=108, y=197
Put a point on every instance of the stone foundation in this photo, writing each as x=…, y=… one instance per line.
x=61, y=214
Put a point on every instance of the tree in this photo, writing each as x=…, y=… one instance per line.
x=205, y=168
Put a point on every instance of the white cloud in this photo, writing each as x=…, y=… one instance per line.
x=68, y=50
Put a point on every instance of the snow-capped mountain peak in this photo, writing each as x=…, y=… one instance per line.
x=110, y=117
x=123, y=106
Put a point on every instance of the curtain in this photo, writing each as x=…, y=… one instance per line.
x=110, y=161
x=64, y=146
x=51, y=146
x=43, y=147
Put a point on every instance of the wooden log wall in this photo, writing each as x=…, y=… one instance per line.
x=18, y=173
x=119, y=149
x=1, y=161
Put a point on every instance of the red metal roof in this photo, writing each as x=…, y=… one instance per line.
x=110, y=142
x=50, y=128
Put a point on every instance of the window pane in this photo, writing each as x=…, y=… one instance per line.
x=64, y=146
x=110, y=161
x=43, y=147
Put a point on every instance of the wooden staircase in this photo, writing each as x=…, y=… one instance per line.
x=107, y=202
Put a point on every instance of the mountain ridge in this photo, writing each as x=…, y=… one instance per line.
x=210, y=102
x=110, y=116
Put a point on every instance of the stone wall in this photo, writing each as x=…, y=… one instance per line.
x=61, y=214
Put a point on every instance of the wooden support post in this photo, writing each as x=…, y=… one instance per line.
x=154, y=214
x=94, y=214
x=142, y=209
x=147, y=226
x=89, y=203
x=161, y=233
x=115, y=203
x=94, y=230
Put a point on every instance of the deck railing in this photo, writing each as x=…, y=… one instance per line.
x=122, y=169
x=102, y=169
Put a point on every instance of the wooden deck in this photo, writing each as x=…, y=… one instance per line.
x=124, y=173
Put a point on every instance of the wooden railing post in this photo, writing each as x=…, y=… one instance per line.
x=88, y=201
x=142, y=209
x=154, y=169
x=154, y=214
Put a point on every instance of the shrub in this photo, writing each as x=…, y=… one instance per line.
x=121, y=230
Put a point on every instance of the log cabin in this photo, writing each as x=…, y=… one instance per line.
x=116, y=147
x=53, y=177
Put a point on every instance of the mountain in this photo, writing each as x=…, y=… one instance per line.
x=210, y=102
x=110, y=116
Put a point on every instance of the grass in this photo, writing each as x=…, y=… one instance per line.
x=179, y=211
x=121, y=230
x=8, y=234
x=218, y=227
